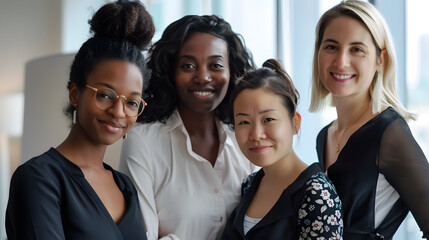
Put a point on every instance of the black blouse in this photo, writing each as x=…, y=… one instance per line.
x=50, y=199
x=384, y=145
x=309, y=209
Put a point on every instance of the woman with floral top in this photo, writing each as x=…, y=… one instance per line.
x=286, y=199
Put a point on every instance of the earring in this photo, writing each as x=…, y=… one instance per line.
x=125, y=136
x=74, y=117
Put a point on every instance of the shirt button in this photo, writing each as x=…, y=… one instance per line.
x=216, y=190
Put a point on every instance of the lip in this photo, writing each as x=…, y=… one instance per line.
x=202, y=93
x=259, y=149
x=112, y=126
x=342, y=77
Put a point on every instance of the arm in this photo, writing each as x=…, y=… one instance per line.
x=406, y=168
x=34, y=210
x=134, y=157
x=320, y=214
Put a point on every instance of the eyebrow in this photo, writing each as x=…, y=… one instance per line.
x=352, y=43
x=111, y=87
x=193, y=58
x=261, y=112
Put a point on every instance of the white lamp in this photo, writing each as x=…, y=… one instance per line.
x=11, y=116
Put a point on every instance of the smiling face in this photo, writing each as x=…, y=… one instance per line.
x=263, y=127
x=202, y=73
x=104, y=127
x=347, y=58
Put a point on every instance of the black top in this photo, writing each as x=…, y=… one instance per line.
x=384, y=145
x=50, y=199
x=309, y=208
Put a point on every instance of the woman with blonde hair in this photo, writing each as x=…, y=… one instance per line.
x=368, y=152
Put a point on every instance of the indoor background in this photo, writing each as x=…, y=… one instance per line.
x=39, y=37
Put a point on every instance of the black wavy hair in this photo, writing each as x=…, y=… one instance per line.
x=121, y=31
x=161, y=94
x=271, y=77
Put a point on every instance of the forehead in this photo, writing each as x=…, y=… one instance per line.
x=203, y=43
x=258, y=99
x=347, y=29
x=121, y=75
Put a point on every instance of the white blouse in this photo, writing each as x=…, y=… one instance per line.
x=181, y=195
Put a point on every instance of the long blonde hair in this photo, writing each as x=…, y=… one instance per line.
x=383, y=87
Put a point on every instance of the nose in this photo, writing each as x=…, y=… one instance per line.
x=202, y=75
x=342, y=59
x=257, y=132
x=117, y=109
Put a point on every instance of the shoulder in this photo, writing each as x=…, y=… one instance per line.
x=320, y=213
x=321, y=190
x=41, y=173
x=247, y=183
x=46, y=165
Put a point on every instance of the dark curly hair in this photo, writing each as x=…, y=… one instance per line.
x=161, y=94
x=121, y=31
x=271, y=77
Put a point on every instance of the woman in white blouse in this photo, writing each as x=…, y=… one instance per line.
x=184, y=159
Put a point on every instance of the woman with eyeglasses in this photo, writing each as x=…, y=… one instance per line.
x=68, y=192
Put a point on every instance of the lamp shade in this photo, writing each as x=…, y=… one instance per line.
x=11, y=114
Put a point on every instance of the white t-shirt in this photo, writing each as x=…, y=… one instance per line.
x=180, y=193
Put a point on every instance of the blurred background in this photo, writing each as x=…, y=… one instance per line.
x=39, y=38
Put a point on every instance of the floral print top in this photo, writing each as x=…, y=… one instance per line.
x=308, y=209
x=319, y=216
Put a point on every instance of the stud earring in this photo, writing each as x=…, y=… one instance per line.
x=74, y=117
x=125, y=136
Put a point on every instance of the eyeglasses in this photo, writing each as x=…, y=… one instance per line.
x=105, y=98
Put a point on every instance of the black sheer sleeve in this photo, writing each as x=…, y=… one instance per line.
x=405, y=166
x=33, y=210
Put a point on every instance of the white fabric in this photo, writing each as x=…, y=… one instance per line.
x=385, y=198
x=180, y=190
x=249, y=222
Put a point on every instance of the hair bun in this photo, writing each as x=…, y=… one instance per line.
x=276, y=66
x=126, y=20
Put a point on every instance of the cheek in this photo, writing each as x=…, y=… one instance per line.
x=241, y=137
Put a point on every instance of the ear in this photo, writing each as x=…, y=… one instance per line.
x=74, y=95
x=380, y=60
x=297, y=122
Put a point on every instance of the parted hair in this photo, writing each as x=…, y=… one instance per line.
x=161, y=94
x=121, y=31
x=270, y=77
x=383, y=87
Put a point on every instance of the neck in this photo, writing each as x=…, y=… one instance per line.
x=198, y=123
x=78, y=148
x=286, y=168
x=351, y=111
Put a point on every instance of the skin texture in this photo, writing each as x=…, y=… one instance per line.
x=347, y=63
x=202, y=78
x=264, y=131
x=107, y=126
x=347, y=58
x=202, y=73
x=96, y=129
x=263, y=128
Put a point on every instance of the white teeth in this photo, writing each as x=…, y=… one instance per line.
x=202, y=93
x=342, y=76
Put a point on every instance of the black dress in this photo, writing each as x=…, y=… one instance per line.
x=308, y=209
x=50, y=199
x=384, y=145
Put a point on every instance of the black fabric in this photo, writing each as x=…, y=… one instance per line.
x=50, y=199
x=282, y=221
x=383, y=145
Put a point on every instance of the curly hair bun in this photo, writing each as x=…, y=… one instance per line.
x=126, y=20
